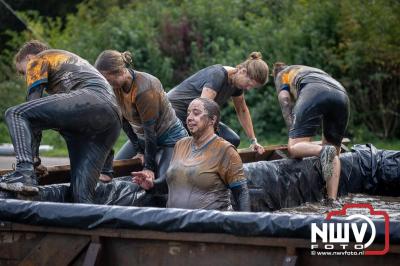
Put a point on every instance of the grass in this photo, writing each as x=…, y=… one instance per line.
x=387, y=144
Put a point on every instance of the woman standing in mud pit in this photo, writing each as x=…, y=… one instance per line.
x=81, y=106
x=204, y=166
x=148, y=118
x=318, y=98
x=220, y=83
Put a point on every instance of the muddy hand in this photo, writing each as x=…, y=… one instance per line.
x=144, y=178
x=257, y=148
x=41, y=171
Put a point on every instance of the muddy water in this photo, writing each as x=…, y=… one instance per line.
x=389, y=204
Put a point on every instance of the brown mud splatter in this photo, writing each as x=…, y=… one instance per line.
x=389, y=204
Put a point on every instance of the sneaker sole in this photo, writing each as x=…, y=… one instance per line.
x=20, y=188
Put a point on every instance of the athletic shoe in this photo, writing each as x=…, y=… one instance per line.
x=19, y=182
x=326, y=157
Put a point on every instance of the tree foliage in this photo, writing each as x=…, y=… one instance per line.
x=356, y=41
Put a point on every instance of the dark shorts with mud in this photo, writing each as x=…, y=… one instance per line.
x=321, y=103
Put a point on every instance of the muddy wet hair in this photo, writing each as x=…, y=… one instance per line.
x=212, y=109
x=113, y=61
x=257, y=69
x=32, y=47
x=278, y=67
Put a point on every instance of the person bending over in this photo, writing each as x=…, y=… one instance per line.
x=204, y=167
x=80, y=105
x=309, y=96
x=148, y=118
x=220, y=83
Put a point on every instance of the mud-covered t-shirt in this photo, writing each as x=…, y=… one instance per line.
x=200, y=178
x=294, y=77
x=62, y=72
x=214, y=77
x=146, y=104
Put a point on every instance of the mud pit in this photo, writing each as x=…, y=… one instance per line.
x=391, y=205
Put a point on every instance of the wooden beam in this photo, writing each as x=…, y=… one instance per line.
x=93, y=252
x=60, y=173
x=56, y=249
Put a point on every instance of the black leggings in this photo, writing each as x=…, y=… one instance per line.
x=88, y=121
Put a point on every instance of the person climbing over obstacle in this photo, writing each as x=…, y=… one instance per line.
x=309, y=96
x=148, y=118
x=80, y=105
x=220, y=83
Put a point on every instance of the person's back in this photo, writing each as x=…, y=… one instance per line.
x=63, y=71
x=296, y=76
x=147, y=101
x=215, y=77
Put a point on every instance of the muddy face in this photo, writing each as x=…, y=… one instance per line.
x=242, y=81
x=197, y=119
x=22, y=65
x=116, y=79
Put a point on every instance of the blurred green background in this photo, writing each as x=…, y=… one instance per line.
x=356, y=41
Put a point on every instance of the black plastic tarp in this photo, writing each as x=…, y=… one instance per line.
x=273, y=185
x=86, y=216
x=288, y=183
x=379, y=169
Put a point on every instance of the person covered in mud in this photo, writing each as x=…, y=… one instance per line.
x=309, y=96
x=204, y=167
x=220, y=83
x=80, y=105
x=148, y=118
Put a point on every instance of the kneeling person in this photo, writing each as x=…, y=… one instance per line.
x=318, y=99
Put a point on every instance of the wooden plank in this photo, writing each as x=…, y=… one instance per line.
x=60, y=173
x=168, y=236
x=56, y=249
x=92, y=254
x=15, y=245
x=290, y=243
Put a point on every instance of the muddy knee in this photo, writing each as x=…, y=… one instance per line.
x=10, y=113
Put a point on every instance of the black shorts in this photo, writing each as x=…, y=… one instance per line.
x=316, y=103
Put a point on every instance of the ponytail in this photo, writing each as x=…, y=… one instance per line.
x=256, y=68
x=113, y=61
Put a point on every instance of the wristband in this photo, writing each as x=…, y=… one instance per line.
x=253, y=141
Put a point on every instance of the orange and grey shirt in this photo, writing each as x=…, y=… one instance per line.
x=293, y=78
x=201, y=178
x=61, y=71
x=146, y=104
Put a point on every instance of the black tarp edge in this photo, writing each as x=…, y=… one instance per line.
x=86, y=216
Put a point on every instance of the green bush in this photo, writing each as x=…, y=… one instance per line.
x=357, y=42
